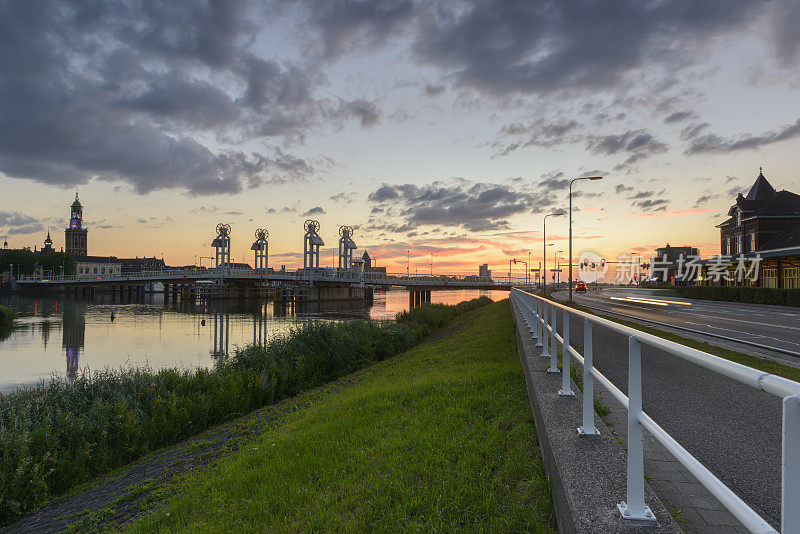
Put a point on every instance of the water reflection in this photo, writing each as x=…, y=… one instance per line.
x=153, y=332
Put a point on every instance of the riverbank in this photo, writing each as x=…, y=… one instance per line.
x=437, y=438
x=60, y=434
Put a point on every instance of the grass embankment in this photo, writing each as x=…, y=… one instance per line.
x=7, y=316
x=58, y=435
x=437, y=439
x=762, y=364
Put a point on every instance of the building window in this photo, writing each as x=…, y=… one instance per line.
x=738, y=217
x=738, y=245
x=790, y=278
x=95, y=270
x=770, y=277
x=728, y=249
x=752, y=241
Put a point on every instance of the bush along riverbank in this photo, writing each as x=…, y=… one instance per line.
x=7, y=316
x=58, y=435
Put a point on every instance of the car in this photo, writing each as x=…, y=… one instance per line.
x=580, y=287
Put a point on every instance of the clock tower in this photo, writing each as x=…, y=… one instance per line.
x=75, y=235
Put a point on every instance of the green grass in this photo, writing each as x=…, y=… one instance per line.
x=7, y=316
x=59, y=434
x=762, y=364
x=439, y=438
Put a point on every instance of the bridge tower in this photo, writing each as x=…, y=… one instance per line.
x=222, y=247
x=346, y=247
x=311, y=244
x=261, y=248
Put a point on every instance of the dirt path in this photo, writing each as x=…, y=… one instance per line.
x=120, y=498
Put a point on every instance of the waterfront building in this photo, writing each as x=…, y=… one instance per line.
x=97, y=265
x=484, y=271
x=368, y=267
x=765, y=223
x=75, y=235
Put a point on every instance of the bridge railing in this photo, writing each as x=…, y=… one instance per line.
x=311, y=275
x=540, y=316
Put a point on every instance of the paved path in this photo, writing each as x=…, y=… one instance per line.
x=733, y=429
x=776, y=326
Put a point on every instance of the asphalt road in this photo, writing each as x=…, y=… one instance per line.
x=733, y=429
x=774, y=326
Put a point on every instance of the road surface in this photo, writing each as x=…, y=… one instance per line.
x=771, y=326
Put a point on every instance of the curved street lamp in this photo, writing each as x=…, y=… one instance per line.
x=570, y=226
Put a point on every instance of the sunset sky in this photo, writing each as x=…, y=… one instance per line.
x=437, y=127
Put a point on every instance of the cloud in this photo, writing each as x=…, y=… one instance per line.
x=433, y=90
x=622, y=188
x=316, y=210
x=469, y=205
x=659, y=204
x=147, y=94
x=713, y=143
x=537, y=133
x=678, y=116
x=638, y=144
x=535, y=47
x=27, y=228
x=15, y=218
x=346, y=198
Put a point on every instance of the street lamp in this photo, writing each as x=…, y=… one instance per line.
x=558, y=265
x=408, y=264
x=528, y=272
x=570, y=226
x=544, y=247
x=431, y=263
x=638, y=267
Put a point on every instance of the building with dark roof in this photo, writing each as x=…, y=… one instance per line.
x=766, y=223
x=75, y=235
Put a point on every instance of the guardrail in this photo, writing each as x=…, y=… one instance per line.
x=310, y=275
x=540, y=316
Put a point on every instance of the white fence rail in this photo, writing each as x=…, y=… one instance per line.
x=540, y=316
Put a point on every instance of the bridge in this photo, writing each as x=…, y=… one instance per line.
x=314, y=283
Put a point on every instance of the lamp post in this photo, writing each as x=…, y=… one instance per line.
x=408, y=264
x=528, y=272
x=558, y=265
x=570, y=226
x=544, y=247
x=431, y=263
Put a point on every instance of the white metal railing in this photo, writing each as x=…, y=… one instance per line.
x=540, y=317
x=310, y=275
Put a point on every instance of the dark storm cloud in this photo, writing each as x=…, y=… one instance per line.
x=26, y=229
x=522, y=46
x=473, y=206
x=715, y=143
x=14, y=218
x=554, y=181
x=784, y=35
x=119, y=91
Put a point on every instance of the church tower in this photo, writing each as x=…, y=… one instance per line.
x=75, y=235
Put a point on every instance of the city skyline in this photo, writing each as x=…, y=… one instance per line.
x=385, y=119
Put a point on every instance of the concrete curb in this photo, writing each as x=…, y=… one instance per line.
x=587, y=476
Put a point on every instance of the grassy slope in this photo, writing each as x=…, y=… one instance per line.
x=439, y=438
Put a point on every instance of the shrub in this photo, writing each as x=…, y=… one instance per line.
x=7, y=315
x=58, y=434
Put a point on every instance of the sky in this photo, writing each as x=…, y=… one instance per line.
x=446, y=129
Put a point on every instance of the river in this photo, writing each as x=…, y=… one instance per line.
x=60, y=336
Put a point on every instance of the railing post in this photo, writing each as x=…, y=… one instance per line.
x=565, y=390
x=634, y=509
x=553, y=341
x=540, y=322
x=588, y=429
x=545, y=335
x=790, y=512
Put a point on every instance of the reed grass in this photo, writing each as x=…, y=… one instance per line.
x=58, y=434
x=7, y=316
